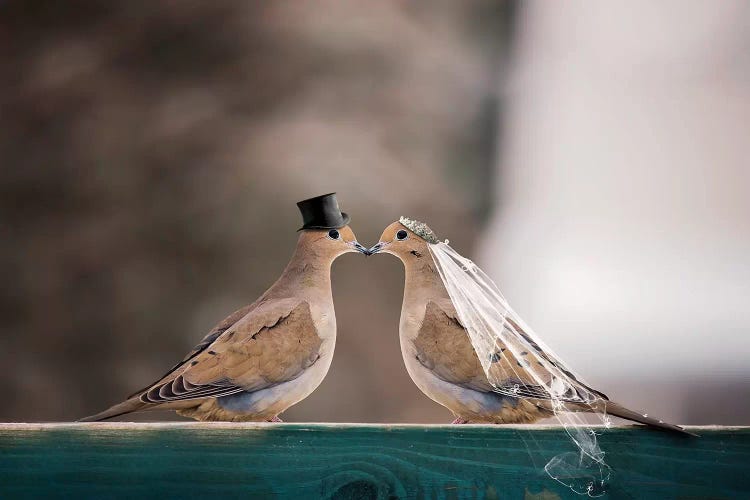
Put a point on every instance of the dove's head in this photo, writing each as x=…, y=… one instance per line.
x=325, y=231
x=407, y=239
x=331, y=242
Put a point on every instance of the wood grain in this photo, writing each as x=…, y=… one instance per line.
x=300, y=461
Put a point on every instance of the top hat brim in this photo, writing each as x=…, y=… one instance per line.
x=344, y=221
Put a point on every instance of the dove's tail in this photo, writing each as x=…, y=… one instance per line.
x=622, y=412
x=129, y=406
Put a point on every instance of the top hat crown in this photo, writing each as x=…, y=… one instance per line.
x=322, y=212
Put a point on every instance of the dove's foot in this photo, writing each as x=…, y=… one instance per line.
x=274, y=419
x=459, y=421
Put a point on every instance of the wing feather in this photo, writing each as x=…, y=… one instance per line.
x=273, y=343
x=443, y=346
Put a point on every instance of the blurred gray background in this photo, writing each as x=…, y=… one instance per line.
x=592, y=158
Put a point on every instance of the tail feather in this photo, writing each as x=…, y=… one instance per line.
x=622, y=412
x=129, y=406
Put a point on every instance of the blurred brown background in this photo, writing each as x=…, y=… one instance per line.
x=152, y=154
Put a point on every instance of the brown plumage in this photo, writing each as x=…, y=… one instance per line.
x=442, y=362
x=263, y=358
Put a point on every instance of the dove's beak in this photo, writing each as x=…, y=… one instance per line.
x=377, y=247
x=359, y=248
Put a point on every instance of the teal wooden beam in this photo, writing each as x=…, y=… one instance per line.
x=301, y=461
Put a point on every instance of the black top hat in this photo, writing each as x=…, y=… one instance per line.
x=322, y=212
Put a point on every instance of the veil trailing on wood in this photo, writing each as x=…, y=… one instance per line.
x=518, y=364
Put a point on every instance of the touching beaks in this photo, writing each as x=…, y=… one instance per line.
x=376, y=248
x=359, y=248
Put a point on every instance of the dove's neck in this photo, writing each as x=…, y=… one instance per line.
x=307, y=276
x=423, y=282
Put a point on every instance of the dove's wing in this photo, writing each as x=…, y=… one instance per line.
x=273, y=343
x=443, y=346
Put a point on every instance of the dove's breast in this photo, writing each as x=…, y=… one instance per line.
x=426, y=380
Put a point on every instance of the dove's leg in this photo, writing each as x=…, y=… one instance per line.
x=459, y=421
x=274, y=419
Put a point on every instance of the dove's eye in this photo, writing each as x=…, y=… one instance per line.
x=333, y=234
x=402, y=235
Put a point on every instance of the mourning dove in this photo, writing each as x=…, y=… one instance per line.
x=271, y=354
x=442, y=361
